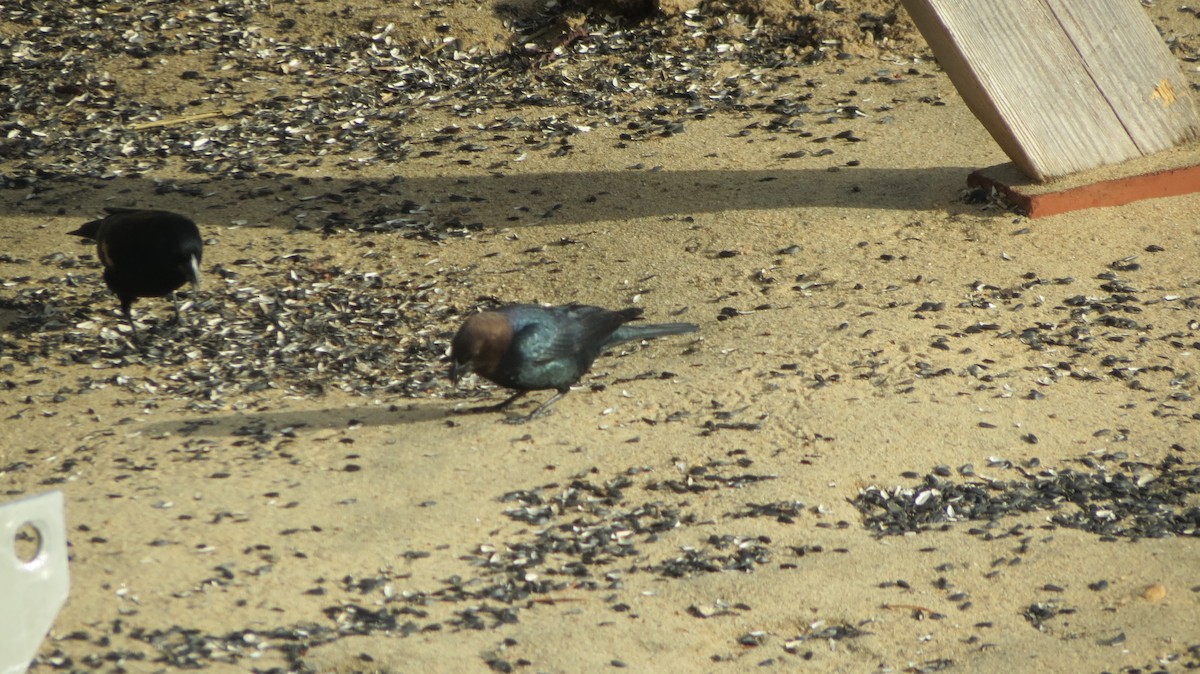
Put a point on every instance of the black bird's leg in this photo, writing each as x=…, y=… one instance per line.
x=134, y=340
x=178, y=312
x=127, y=309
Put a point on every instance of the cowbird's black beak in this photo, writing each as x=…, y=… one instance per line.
x=191, y=271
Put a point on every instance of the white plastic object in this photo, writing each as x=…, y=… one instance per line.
x=32, y=590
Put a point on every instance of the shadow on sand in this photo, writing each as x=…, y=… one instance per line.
x=489, y=200
x=334, y=418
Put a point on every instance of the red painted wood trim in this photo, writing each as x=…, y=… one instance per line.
x=1039, y=203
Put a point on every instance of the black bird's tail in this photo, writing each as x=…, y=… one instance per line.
x=89, y=230
x=628, y=333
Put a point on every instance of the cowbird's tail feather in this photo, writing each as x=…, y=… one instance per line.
x=628, y=333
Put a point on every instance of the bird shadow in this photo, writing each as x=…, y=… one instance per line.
x=285, y=421
x=493, y=199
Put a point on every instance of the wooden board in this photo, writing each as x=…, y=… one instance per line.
x=1062, y=85
x=1170, y=173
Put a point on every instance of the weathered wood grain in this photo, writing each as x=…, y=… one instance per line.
x=1062, y=85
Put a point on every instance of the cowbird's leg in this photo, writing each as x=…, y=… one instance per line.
x=497, y=407
x=508, y=401
x=541, y=409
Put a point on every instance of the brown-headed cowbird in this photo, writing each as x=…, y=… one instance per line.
x=530, y=347
x=145, y=253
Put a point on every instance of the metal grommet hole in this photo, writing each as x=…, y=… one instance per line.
x=27, y=543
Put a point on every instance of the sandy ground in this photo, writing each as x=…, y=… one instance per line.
x=282, y=529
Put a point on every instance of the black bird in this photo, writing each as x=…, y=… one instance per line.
x=145, y=253
x=530, y=347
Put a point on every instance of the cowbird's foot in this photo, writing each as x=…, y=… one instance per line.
x=541, y=411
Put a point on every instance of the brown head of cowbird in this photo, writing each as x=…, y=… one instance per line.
x=530, y=347
x=145, y=253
